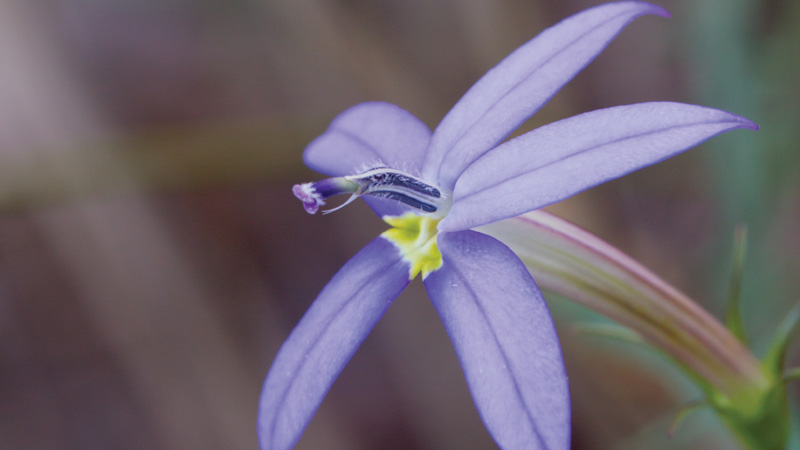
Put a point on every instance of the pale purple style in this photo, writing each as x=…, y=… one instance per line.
x=463, y=175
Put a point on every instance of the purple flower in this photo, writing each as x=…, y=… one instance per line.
x=432, y=188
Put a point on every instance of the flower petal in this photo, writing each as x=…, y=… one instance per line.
x=505, y=340
x=525, y=80
x=561, y=159
x=366, y=136
x=372, y=133
x=325, y=339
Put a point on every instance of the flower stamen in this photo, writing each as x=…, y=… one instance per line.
x=380, y=182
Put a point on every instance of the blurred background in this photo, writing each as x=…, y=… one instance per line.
x=153, y=258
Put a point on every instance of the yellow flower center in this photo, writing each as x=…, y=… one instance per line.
x=415, y=237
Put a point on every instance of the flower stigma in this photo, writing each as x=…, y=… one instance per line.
x=313, y=195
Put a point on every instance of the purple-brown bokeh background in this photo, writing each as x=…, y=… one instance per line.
x=153, y=258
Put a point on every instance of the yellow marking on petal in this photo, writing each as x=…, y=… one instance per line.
x=415, y=237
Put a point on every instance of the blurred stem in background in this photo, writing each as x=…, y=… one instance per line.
x=743, y=55
x=178, y=159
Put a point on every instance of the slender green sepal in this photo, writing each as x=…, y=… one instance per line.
x=774, y=361
x=760, y=418
x=733, y=314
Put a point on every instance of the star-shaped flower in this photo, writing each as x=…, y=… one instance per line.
x=432, y=188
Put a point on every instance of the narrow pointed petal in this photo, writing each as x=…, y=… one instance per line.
x=505, y=340
x=516, y=88
x=325, y=339
x=561, y=159
x=366, y=136
x=369, y=133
